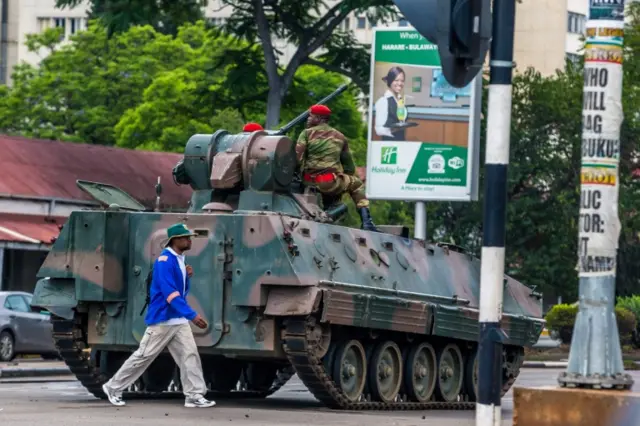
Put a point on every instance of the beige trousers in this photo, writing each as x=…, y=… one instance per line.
x=183, y=349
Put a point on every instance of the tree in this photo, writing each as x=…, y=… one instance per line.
x=171, y=109
x=80, y=90
x=144, y=89
x=165, y=16
x=310, y=25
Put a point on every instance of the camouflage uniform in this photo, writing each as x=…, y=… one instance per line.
x=327, y=165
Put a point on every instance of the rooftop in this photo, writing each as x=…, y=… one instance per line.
x=45, y=168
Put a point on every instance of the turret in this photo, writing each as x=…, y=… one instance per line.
x=249, y=172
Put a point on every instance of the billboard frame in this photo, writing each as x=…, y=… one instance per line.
x=473, y=138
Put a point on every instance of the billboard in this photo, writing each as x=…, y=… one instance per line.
x=423, y=134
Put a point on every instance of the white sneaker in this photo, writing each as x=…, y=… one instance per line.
x=198, y=401
x=113, y=398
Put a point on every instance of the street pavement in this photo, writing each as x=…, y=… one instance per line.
x=58, y=401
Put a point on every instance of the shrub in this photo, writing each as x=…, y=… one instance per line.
x=560, y=319
x=632, y=303
x=626, y=325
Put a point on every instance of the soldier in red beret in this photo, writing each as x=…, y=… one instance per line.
x=326, y=164
x=252, y=127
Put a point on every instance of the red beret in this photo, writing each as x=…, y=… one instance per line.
x=252, y=127
x=320, y=110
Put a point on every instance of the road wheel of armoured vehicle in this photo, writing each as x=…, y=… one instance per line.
x=512, y=360
x=328, y=359
x=7, y=348
x=385, y=372
x=350, y=369
x=450, y=373
x=471, y=375
x=420, y=372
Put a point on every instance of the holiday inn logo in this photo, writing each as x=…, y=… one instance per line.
x=389, y=155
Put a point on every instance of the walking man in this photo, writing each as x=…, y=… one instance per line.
x=167, y=323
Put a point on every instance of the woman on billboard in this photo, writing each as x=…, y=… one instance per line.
x=390, y=109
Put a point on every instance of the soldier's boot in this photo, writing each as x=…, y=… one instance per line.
x=367, y=222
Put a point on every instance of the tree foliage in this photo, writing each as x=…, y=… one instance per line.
x=165, y=16
x=313, y=27
x=145, y=89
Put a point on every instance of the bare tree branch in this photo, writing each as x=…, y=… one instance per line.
x=333, y=68
x=316, y=27
x=303, y=52
x=289, y=19
x=326, y=32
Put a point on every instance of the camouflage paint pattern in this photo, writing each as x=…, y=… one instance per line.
x=325, y=148
x=263, y=254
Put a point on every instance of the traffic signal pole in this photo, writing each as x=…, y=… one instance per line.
x=488, y=409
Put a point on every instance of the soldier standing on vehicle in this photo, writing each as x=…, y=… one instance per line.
x=168, y=325
x=326, y=163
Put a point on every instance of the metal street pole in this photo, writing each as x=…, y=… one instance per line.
x=420, y=221
x=595, y=359
x=488, y=410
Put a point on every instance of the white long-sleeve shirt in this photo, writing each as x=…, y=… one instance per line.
x=382, y=114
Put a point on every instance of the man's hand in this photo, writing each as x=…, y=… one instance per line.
x=200, y=322
x=189, y=270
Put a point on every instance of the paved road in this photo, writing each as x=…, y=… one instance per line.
x=66, y=403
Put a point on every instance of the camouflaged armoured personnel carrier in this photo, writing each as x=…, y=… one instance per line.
x=367, y=320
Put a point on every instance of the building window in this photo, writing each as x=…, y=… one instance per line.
x=44, y=24
x=346, y=24
x=576, y=23
x=60, y=22
x=75, y=25
x=362, y=23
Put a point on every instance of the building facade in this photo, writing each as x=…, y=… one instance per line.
x=547, y=31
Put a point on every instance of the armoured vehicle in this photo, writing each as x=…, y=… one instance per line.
x=367, y=320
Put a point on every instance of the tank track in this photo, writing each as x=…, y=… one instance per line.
x=70, y=340
x=311, y=370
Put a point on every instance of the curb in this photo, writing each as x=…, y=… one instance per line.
x=34, y=372
x=545, y=364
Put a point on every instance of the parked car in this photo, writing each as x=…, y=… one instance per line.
x=23, y=329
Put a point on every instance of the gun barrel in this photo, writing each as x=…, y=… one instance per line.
x=299, y=119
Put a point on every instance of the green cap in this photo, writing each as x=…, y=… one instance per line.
x=178, y=230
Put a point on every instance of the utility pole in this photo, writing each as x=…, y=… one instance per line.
x=595, y=359
x=488, y=410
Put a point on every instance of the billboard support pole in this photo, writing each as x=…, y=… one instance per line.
x=420, y=224
x=488, y=410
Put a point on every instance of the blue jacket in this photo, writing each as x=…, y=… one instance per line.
x=167, y=279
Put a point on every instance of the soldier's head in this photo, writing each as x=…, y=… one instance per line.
x=319, y=114
x=252, y=127
x=179, y=237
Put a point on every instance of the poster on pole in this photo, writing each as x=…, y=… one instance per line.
x=602, y=116
x=423, y=133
